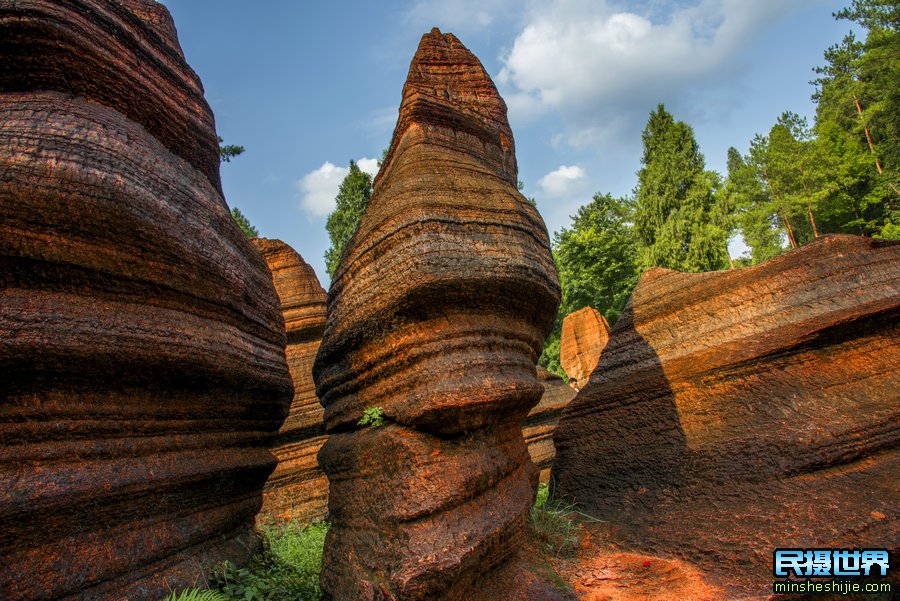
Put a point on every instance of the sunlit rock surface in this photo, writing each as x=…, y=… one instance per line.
x=585, y=334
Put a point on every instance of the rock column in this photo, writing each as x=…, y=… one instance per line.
x=142, y=370
x=436, y=315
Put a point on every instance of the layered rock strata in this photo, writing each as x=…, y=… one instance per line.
x=541, y=421
x=142, y=370
x=585, y=334
x=739, y=411
x=436, y=316
x=297, y=489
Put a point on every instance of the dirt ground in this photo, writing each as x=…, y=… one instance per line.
x=600, y=572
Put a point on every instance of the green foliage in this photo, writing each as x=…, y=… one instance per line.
x=596, y=261
x=196, y=594
x=797, y=182
x=759, y=226
x=228, y=151
x=351, y=202
x=553, y=524
x=677, y=222
x=372, y=416
x=244, y=223
x=287, y=570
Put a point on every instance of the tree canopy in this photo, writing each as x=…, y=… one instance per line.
x=677, y=220
x=350, y=204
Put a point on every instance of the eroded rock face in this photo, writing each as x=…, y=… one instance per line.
x=585, y=334
x=738, y=411
x=436, y=316
x=297, y=489
x=142, y=370
x=541, y=421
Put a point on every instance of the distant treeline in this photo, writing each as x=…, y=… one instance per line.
x=796, y=182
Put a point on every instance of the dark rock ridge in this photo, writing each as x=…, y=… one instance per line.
x=541, y=421
x=297, y=489
x=738, y=411
x=436, y=316
x=142, y=370
x=584, y=335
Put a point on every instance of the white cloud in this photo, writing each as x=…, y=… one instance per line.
x=318, y=188
x=370, y=166
x=563, y=181
x=596, y=64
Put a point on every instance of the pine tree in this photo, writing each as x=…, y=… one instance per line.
x=677, y=222
x=858, y=123
x=244, y=223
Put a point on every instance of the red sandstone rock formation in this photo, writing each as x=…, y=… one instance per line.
x=142, y=371
x=584, y=336
x=297, y=489
x=541, y=421
x=436, y=316
x=738, y=411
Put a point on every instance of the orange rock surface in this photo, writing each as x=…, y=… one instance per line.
x=436, y=317
x=142, y=370
x=738, y=411
x=297, y=489
x=584, y=336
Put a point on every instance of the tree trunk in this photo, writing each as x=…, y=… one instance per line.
x=868, y=135
x=812, y=220
x=786, y=223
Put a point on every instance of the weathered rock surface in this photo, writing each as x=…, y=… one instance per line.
x=541, y=421
x=436, y=316
x=123, y=54
x=142, y=370
x=585, y=334
x=738, y=411
x=297, y=489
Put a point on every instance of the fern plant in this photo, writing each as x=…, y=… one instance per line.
x=372, y=416
x=196, y=594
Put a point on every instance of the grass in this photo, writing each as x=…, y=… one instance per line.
x=553, y=525
x=288, y=567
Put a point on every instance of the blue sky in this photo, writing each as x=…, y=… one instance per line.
x=307, y=86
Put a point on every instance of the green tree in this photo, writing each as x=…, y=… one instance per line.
x=228, y=151
x=677, y=222
x=858, y=122
x=244, y=223
x=596, y=260
x=351, y=202
x=757, y=222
